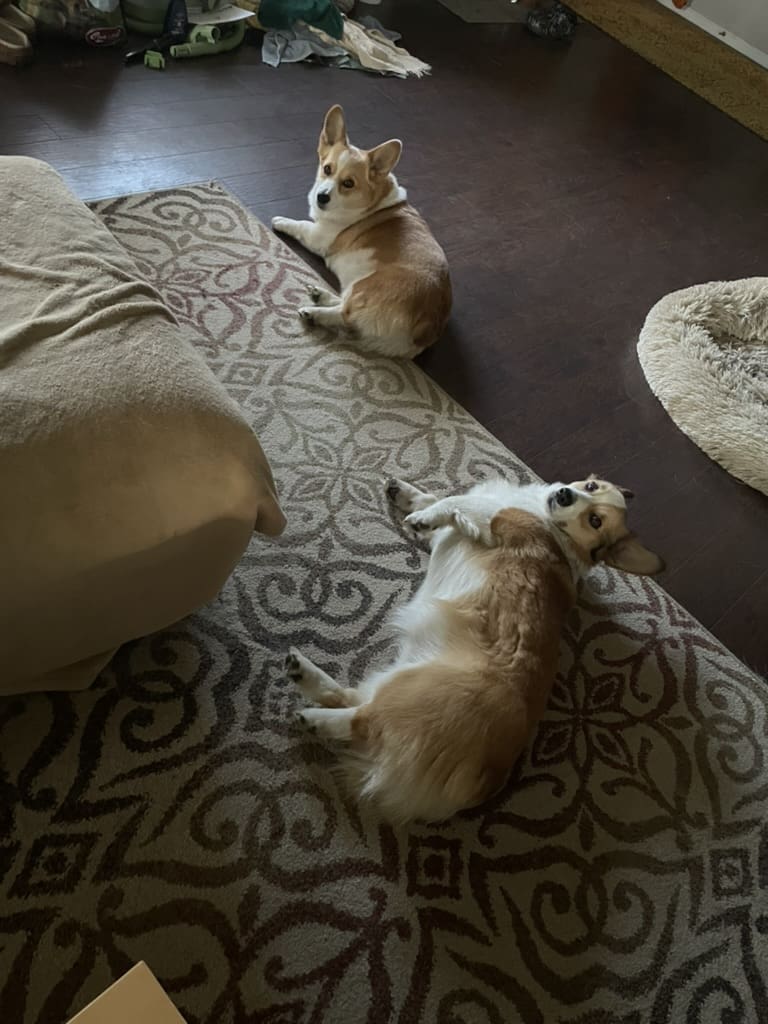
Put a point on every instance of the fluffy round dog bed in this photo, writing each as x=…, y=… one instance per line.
x=704, y=352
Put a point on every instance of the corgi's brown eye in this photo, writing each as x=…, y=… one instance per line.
x=595, y=521
x=590, y=486
x=348, y=183
x=327, y=169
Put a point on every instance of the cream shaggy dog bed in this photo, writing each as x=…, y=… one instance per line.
x=704, y=352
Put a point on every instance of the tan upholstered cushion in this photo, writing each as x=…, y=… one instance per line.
x=129, y=482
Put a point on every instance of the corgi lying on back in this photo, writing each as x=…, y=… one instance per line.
x=395, y=288
x=441, y=728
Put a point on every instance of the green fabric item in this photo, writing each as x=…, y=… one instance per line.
x=322, y=14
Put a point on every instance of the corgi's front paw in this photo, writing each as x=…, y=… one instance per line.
x=305, y=315
x=281, y=224
x=306, y=721
x=422, y=522
x=293, y=666
x=468, y=521
x=397, y=494
x=406, y=497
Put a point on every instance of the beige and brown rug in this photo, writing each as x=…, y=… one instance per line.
x=174, y=813
x=727, y=79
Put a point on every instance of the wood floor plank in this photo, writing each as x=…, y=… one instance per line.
x=111, y=179
x=17, y=130
x=742, y=627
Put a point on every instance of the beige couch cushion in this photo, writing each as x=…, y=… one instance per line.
x=129, y=482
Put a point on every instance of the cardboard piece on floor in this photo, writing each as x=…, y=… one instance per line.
x=137, y=996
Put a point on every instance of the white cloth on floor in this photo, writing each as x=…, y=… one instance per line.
x=365, y=45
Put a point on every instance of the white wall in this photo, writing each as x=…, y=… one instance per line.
x=742, y=24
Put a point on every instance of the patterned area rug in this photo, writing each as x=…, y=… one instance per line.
x=175, y=813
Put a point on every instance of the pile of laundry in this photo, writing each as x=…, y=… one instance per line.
x=320, y=30
x=294, y=30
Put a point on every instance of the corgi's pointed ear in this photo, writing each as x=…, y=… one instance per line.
x=334, y=128
x=384, y=158
x=629, y=555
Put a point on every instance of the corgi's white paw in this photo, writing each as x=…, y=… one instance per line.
x=422, y=521
x=406, y=497
x=322, y=296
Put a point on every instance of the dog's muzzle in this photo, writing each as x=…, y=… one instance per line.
x=564, y=497
x=323, y=198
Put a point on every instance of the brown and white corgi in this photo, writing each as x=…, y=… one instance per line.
x=440, y=729
x=395, y=287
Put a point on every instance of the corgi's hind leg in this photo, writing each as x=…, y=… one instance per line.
x=408, y=498
x=330, y=317
x=329, y=723
x=304, y=231
x=375, y=324
x=322, y=296
x=316, y=685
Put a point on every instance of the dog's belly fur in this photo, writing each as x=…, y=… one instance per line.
x=421, y=623
x=451, y=575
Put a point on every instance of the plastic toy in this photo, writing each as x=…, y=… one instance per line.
x=154, y=59
x=205, y=39
x=174, y=31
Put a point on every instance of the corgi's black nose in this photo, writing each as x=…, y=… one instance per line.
x=564, y=497
x=323, y=198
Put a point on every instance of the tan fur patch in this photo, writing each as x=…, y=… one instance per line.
x=591, y=541
x=411, y=279
x=600, y=534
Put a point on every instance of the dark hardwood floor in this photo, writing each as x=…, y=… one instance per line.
x=572, y=186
